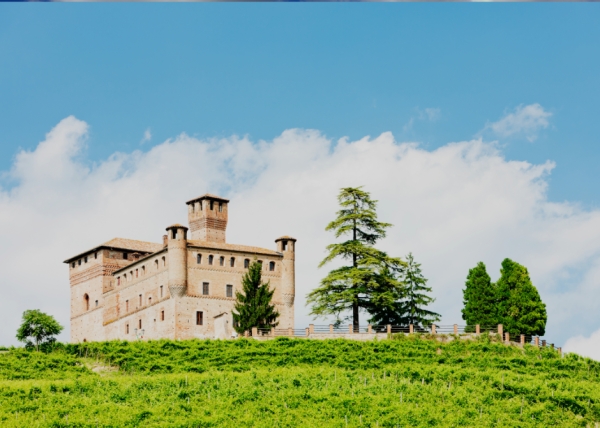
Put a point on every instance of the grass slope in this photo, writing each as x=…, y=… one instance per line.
x=404, y=382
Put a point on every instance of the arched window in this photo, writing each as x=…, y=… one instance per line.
x=222, y=261
x=210, y=259
x=86, y=299
x=271, y=266
x=118, y=280
x=164, y=260
x=156, y=264
x=149, y=300
x=143, y=270
x=246, y=263
x=199, y=259
x=232, y=262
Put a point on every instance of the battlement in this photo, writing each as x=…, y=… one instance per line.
x=207, y=216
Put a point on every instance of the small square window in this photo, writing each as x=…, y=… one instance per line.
x=229, y=290
x=199, y=318
x=205, y=288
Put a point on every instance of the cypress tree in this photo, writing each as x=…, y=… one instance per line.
x=357, y=285
x=479, y=298
x=253, y=306
x=520, y=307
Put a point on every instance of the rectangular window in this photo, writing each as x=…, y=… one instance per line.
x=118, y=280
x=162, y=315
x=221, y=261
x=220, y=207
x=95, y=255
x=271, y=266
x=199, y=318
x=140, y=324
x=211, y=205
x=96, y=303
x=124, y=256
x=199, y=259
x=73, y=265
x=140, y=300
x=136, y=273
x=210, y=259
x=284, y=244
x=85, y=259
x=161, y=291
x=229, y=290
x=205, y=288
x=126, y=305
x=126, y=328
x=79, y=262
x=246, y=263
x=149, y=300
x=232, y=262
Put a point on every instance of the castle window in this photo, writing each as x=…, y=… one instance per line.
x=229, y=290
x=124, y=256
x=96, y=303
x=221, y=261
x=200, y=205
x=131, y=275
x=162, y=315
x=259, y=262
x=174, y=233
x=85, y=259
x=126, y=328
x=199, y=318
x=271, y=266
x=149, y=300
x=164, y=260
x=118, y=280
x=199, y=259
x=156, y=264
x=211, y=205
x=124, y=277
x=140, y=300
x=161, y=291
x=140, y=324
x=232, y=262
x=284, y=245
x=126, y=305
x=136, y=273
x=246, y=263
x=96, y=255
x=79, y=262
x=73, y=265
x=205, y=288
x=86, y=299
x=143, y=270
x=210, y=259
x=220, y=207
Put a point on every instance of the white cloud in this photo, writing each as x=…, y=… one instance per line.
x=524, y=121
x=147, y=136
x=586, y=346
x=451, y=207
x=429, y=114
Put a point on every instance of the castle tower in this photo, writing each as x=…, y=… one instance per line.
x=177, y=250
x=287, y=246
x=207, y=217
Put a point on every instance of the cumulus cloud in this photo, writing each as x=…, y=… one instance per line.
x=586, y=346
x=524, y=121
x=451, y=207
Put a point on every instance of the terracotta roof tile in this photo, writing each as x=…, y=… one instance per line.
x=122, y=244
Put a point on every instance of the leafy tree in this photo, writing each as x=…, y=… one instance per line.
x=38, y=329
x=412, y=307
x=520, y=308
x=479, y=298
x=358, y=285
x=253, y=306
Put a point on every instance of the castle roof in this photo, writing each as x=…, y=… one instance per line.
x=207, y=196
x=122, y=244
x=286, y=237
x=232, y=247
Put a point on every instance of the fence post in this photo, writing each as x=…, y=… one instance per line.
x=433, y=329
x=389, y=329
x=290, y=332
x=507, y=337
x=369, y=329
x=311, y=328
x=307, y=330
x=552, y=346
x=522, y=340
x=477, y=329
x=455, y=328
x=254, y=331
x=273, y=331
x=350, y=329
x=411, y=328
x=246, y=333
x=537, y=341
x=500, y=330
x=330, y=328
x=559, y=351
x=543, y=343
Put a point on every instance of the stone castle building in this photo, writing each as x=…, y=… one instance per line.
x=181, y=288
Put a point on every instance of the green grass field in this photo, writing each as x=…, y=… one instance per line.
x=403, y=382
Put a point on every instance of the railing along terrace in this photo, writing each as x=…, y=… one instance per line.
x=434, y=329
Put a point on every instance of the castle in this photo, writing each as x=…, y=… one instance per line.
x=181, y=289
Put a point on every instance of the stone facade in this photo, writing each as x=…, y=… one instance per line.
x=180, y=289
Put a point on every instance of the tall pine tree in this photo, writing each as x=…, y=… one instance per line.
x=479, y=298
x=520, y=308
x=253, y=305
x=355, y=286
x=413, y=306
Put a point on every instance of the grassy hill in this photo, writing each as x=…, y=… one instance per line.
x=403, y=382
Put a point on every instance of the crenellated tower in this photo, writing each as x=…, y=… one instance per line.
x=207, y=217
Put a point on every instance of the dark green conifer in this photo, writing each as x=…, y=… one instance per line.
x=253, y=306
x=520, y=307
x=479, y=298
x=415, y=298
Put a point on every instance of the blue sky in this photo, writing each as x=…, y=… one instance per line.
x=347, y=70
x=501, y=101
